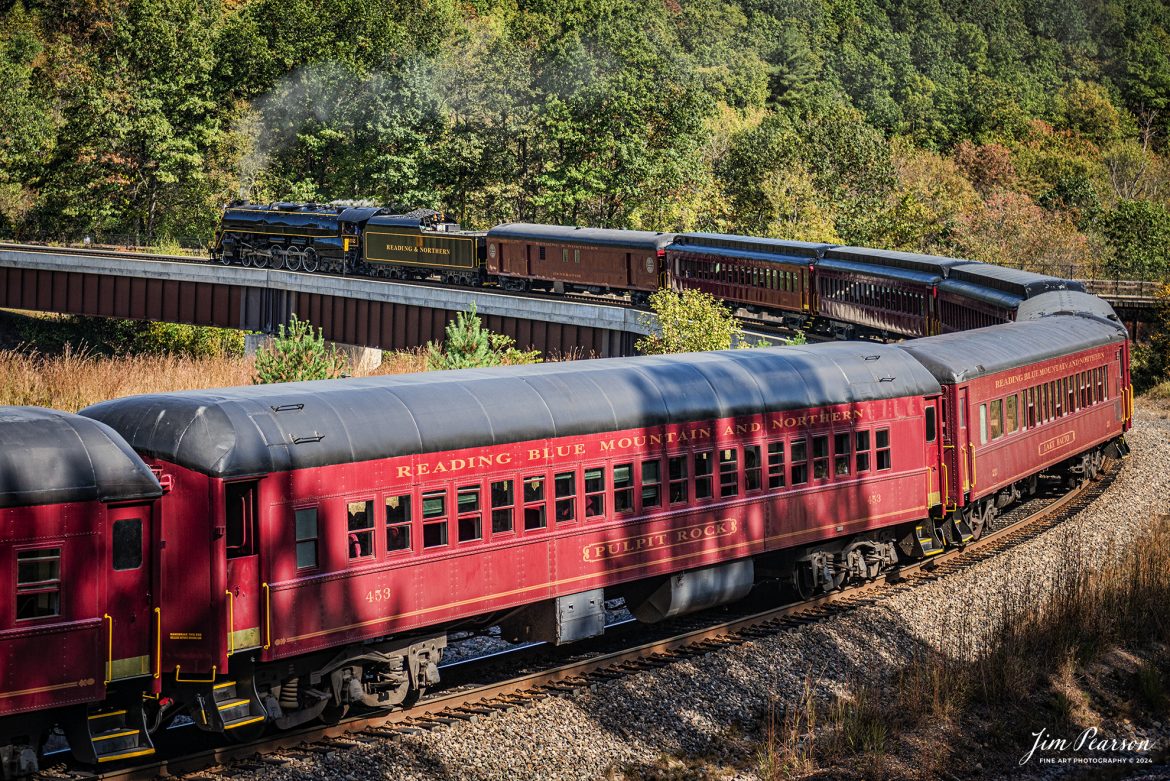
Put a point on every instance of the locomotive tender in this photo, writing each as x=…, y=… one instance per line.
x=843, y=291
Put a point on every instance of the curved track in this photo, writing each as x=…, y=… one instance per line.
x=593, y=663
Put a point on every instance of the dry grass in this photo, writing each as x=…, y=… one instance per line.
x=1046, y=661
x=73, y=380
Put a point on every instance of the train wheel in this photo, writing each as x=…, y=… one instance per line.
x=292, y=259
x=309, y=262
x=246, y=258
x=276, y=257
x=974, y=522
x=803, y=582
x=224, y=257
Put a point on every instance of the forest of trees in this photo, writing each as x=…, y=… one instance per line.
x=1027, y=132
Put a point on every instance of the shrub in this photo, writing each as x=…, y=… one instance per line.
x=468, y=345
x=297, y=354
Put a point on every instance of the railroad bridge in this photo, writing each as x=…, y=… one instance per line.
x=356, y=311
x=350, y=310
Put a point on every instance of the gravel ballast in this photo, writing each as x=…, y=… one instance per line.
x=696, y=708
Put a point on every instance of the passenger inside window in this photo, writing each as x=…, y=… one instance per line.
x=398, y=523
x=820, y=457
x=361, y=529
x=566, y=488
x=842, y=454
x=752, y=468
x=534, y=509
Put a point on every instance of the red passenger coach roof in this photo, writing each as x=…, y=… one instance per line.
x=966, y=355
x=258, y=429
x=51, y=457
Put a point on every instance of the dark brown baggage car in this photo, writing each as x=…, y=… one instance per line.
x=565, y=259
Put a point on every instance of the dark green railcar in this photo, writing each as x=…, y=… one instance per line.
x=420, y=247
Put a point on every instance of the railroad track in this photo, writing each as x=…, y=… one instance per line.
x=692, y=636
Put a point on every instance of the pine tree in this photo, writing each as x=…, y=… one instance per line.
x=297, y=354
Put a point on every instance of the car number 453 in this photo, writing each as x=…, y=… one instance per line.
x=377, y=595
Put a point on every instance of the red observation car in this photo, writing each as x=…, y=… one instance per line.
x=320, y=538
x=868, y=291
x=595, y=260
x=1024, y=398
x=76, y=625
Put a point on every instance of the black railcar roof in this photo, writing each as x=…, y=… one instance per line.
x=967, y=355
x=754, y=245
x=570, y=235
x=921, y=278
x=911, y=261
x=258, y=429
x=1011, y=280
x=969, y=290
x=51, y=457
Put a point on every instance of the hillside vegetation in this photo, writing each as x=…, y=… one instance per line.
x=1031, y=132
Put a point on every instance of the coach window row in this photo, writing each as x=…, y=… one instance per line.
x=963, y=318
x=1042, y=403
x=737, y=274
x=590, y=493
x=869, y=294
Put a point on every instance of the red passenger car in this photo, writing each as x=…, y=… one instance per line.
x=595, y=260
x=76, y=626
x=321, y=537
x=1025, y=398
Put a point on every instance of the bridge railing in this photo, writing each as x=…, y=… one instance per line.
x=1124, y=288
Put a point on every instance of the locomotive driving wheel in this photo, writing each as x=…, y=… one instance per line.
x=292, y=259
x=276, y=256
x=309, y=261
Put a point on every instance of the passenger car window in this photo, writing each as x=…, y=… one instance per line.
x=503, y=506
x=775, y=464
x=799, y=455
x=127, y=544
x=534, y=509
x=651, y=484
x=729, y=472
x=361, y=529
x=820, y=457
x=703, y=475
x=678, y=479
x=434, y=513
x=467, y=512
x=882, y=440
x=398, y=523
x=38, y=583
x=566, y=489
x=995, y=422
x=306, y=537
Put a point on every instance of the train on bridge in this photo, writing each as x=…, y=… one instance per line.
x=846, y=292
x=261, y=557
